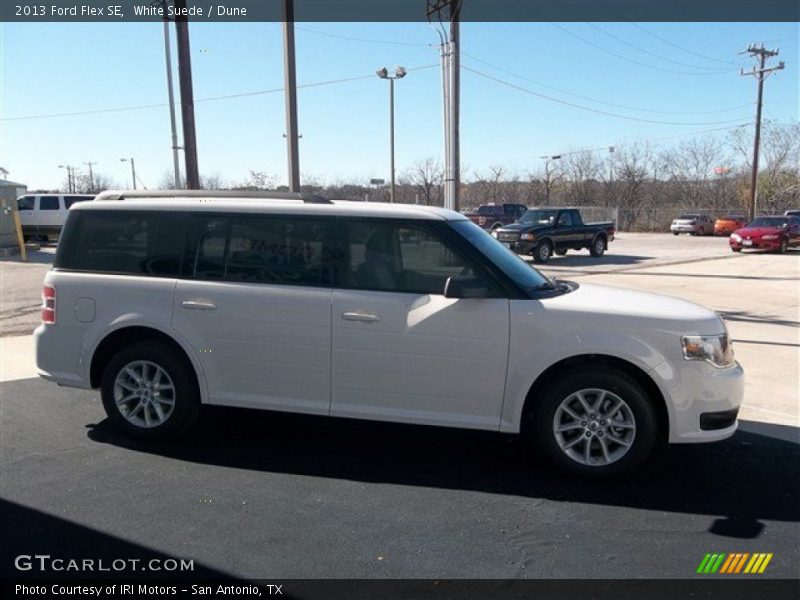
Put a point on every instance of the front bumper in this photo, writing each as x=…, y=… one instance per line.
x=755, y=244
x=682, y=228
x=694, y=389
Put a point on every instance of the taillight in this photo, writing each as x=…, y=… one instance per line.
x=49, y=304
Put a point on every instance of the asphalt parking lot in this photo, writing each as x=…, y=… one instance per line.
x=256, y=494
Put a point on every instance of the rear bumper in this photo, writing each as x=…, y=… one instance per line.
x=682, y=228
x=57, y=359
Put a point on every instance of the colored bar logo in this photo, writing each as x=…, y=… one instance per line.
x=733, y=563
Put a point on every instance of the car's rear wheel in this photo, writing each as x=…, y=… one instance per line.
x=543, y=252
x=149, y=391
x=675, y=233
x=596, y=423
x=598, y=247
x=784, y=246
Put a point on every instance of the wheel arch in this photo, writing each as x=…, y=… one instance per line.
x=117, y=338
x=600, y=360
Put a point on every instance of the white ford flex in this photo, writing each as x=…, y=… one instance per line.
x=372, y=311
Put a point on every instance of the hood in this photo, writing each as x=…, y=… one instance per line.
x=520, y=227
x=626, y=309
x=759, y=231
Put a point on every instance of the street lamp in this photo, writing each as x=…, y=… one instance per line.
x=399, y=73
x=133, y=169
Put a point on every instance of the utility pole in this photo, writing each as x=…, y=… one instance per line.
x=70, y=177
x=176, y=167
x=133, y=169
x=91, y=175
x=290, y=94
x=451, y=63
x=760, y=73
x=187, y=97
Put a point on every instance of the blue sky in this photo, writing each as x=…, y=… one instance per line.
x=676, y=73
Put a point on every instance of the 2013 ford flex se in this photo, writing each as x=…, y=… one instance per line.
x=373, y=311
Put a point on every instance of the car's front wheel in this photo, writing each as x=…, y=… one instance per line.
x=149, y=391
x=596, y=423
x=784, y=246
x=543, y=252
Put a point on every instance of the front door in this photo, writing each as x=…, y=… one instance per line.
x=257, y=310
x=401, y=350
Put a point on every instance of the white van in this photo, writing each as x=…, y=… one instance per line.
x=374, y=311
x=42, y=216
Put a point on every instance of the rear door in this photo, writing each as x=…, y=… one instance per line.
x=401, y=350
x=51, y=214
x=257, y=307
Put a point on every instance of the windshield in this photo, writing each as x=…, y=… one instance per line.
x=689, y=217
x=770, y=222
x=489, y=210
x=524, y=275
x=538, y=217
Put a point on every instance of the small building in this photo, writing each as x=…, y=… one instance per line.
x=9, y=192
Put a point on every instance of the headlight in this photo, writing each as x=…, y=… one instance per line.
x=528, y=237
x=769, y=237
x=715, y=349
x=494, y=233
x=736, y=237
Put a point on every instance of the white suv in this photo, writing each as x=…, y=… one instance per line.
x=374, y=311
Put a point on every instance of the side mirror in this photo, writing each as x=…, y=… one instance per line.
x=465, y=287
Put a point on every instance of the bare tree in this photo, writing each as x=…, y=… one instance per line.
x=83, y=184
x=426, y=177
x=582, y=170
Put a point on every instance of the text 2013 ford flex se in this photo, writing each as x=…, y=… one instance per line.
x=386, y=312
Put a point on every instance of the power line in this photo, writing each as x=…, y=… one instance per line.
x=350, y=38
x=591, y=99
x=711, y=70
x=207, y=99
x=587, y=108
x=692, y=53
x=624, y=144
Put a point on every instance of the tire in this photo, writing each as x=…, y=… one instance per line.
x=179, y=406
x=627, y=445
x=783, y=247
x=675, y=233
x=543, y=251
x=736, y=249
x=598, y=247
x=561, y=252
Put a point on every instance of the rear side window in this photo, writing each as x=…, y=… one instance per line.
x=122, y=241
x=257, y=249
x=48, y=203
x=69, y=201
x=25, y=203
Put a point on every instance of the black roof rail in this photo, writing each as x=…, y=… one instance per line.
x=262, y=195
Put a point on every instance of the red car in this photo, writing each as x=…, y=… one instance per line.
x=767, y=233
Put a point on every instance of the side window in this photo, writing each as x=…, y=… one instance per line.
x=565, y=220
x=399, y=257
x=48, y=203
x=25, y=203
x=520, y=211
x=281, y=250
x=70, y=200
x=122, y=241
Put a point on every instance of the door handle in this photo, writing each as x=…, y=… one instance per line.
x=197, y=305
x=367, y=317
